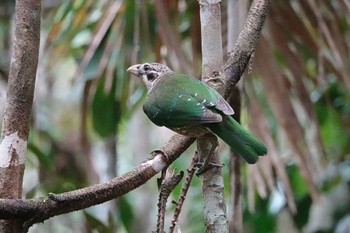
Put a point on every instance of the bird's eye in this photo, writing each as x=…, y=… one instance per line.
x=146, y=67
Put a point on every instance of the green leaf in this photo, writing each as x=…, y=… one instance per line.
x=92, y=67
x=95, y=223
x=43, y=158
x=126, y=213
x=332, y=109
x=296, y=181
x=31, y=193
x=303, y=207
x=105, y=109
x=261, y=220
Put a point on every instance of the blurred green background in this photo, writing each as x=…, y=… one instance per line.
x=88, y=124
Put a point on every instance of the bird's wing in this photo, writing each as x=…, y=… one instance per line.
x=185, y=101
x=210, y=97
x=222, y=105
x=190, y=110
x=184, y=110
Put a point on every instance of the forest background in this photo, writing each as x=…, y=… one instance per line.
x=88, y=125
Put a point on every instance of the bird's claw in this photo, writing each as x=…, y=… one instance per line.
x=202, y=167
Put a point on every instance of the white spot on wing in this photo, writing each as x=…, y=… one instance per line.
x=180, y=96
x=189, y=99
x=195, y=94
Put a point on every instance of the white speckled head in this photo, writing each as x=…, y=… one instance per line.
x=149, y=72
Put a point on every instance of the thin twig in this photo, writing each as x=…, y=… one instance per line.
x=179, y=203
x=169, y=183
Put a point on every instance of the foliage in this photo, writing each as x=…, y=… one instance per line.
x=84, y=97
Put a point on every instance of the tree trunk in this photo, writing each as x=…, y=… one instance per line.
x=215, y=218
x=19, y=99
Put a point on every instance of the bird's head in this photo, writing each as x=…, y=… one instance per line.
x=150, y=72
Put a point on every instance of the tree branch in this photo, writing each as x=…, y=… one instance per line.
x=36, y=210
x=168, y=184
x=179, y=203
x=246, y=43
x=19, y=101
x=32, y=211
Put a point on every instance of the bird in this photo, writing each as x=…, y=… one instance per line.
x=192, y=108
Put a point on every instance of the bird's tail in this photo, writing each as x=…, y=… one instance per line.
x=239, y=139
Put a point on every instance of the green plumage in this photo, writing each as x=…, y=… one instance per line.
x=182, y=103
x=178, y=100
x=239, y=139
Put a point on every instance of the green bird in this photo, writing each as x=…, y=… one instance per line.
x=192, y=108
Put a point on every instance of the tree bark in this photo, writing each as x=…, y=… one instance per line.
x=215, y=218
x=19, y=99
x=79, y=199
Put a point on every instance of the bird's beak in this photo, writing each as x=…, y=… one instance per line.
x=134, y=69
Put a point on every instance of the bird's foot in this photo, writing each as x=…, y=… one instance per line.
x=203, y=167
